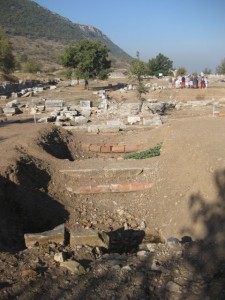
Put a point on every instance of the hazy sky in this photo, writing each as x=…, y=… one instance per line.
x=190, y=32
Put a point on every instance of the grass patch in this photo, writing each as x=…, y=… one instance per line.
x=145, y=154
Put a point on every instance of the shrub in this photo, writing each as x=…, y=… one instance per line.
x=145, y=154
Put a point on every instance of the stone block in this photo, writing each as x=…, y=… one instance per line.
x=57, y=235
x=93, y=129
x=85, y=103
x=73, y=266
x=133, y=119
x=85, y=111
x=52, y=104
x=80, y=119
x=11, y=111
x=153, y=121
x=89, y=237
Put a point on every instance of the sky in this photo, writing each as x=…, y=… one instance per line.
x=191, y=33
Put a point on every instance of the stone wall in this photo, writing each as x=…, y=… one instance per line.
x=9, y=87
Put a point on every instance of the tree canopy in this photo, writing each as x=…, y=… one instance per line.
x=7, y=60
x=160, y=64
x=221, y=68
x=137, y=71
x=88, y=58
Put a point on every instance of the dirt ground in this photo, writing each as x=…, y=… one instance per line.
x=186, y=201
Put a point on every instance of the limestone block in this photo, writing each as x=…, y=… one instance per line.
x=153, y=121
x=73, y=266
x=56, y=235
x=89, y=237
x=133, y=119
x=11, y=110
x=85, y=103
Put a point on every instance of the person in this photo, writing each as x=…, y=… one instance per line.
x=191, y=82
x=202, y=83
x=195, y=82
x=206, y=82
x=183, y=82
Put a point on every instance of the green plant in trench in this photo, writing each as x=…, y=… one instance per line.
x=145, y=154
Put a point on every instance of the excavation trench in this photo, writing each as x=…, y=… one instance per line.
x=37, y=193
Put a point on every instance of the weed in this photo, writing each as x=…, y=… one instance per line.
x=145, y=154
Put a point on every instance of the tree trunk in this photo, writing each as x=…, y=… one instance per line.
x=86, y=84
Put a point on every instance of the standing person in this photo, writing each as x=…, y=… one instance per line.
x=195, y=82
x=191, y=82
x=202, y=83
x=183, y=82
x=206, y=82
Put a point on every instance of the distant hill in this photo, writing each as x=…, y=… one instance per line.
x=38, y=32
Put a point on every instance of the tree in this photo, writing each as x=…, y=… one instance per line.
x=181, y=71
x=7, y=60
x=160, y=64
x=221, y=68
x=31, y=67
x=137, y=71
x=88, y=58
x=207, y=71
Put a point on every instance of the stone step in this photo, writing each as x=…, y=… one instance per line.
x=109, y=188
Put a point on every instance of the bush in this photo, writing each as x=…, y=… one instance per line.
x=31, y=67
x=145, y=154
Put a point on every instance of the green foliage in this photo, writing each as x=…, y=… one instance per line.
x=145, y=154
x=160, y=64
x=31, y=67
x=23, y=58
x=207, y=71
x=181, y=71
x=69, y=73
x=88, y=58
x=136, y=72
x=221, y=68
x=7, y=60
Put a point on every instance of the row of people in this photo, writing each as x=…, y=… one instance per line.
x=189, y=82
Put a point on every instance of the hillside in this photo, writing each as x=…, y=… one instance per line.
x=26, y=22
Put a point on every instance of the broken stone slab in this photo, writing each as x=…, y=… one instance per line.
x=85, y=103
x=73, y=266
x=85, y=111
x=80, y=120
x=133, y=119
x=9, y=111
x=59, y=257
x=108, y=173
x=89, y=237
x=52, y=104
x=12, y=103
x=56, y=235
x=110, y=188
x=155, y=121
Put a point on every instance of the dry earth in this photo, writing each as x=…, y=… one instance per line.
x=186, y=201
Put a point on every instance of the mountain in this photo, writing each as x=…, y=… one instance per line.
x=37, y=32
